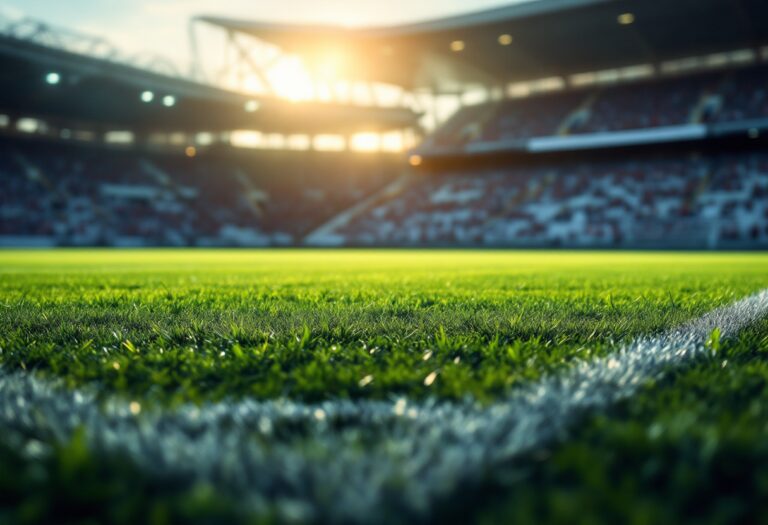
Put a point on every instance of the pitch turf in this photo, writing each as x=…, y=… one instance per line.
x=161, y=328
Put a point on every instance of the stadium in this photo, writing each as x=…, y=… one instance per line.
x=496, y=266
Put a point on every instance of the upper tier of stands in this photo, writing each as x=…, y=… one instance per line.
x=721, y=96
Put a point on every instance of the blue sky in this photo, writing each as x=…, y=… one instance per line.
x=160, y=26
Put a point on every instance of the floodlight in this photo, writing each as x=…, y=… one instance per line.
x=505, y=39
x=626, y=19
x=52, y=78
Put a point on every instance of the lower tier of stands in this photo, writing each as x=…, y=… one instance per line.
x=684, y=201
x=54, y=194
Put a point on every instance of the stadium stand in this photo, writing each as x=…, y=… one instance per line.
x=56, y=194
x=63, y=194
x=723, y=96
x=538, y=116
x=646, y=105
x=501, y=173
x=744, y=95
x=691, y=200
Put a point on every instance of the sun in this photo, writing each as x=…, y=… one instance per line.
x=290, y=79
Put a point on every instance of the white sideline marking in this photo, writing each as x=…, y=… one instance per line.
x=353, y=461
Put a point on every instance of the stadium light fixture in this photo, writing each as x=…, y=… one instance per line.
x=147, y=96
x=366, y=142
x=169, y=101
x=506, y=39
x=415, y=160
x=204, y=138
x=252, y=106
x=626, y=19
x=53, y=78
x=28, y=125
x=458, y=46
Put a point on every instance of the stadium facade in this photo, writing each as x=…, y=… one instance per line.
x=596, y=123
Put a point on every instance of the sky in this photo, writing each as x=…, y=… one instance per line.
x=160, y=26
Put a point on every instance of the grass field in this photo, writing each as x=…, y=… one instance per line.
x=163, y=331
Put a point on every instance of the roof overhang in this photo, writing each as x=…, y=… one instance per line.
x=105, y=93
x=550, y=38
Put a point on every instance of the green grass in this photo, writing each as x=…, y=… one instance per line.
x=166, y=327
x=197, y=325
x=689, y=450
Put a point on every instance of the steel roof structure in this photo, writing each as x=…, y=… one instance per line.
x=525, y=41
x=98, y=89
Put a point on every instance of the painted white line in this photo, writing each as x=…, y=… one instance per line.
x=354, y=461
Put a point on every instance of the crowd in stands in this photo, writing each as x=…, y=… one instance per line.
x=647, y=104
x=57, y=194
x=685, y=201
x=744, y=96
x=721, y=96
x=21, y=201
x=53, y=194
x=540, y=116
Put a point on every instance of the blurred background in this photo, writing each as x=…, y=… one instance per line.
x=546, y=123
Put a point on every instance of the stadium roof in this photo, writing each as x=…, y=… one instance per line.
x=525, y=41
x=97, y=91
